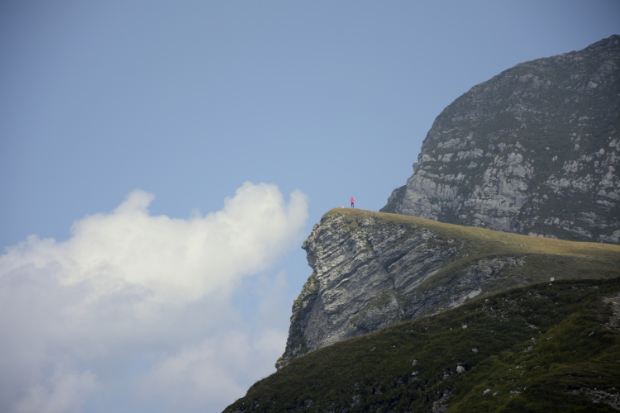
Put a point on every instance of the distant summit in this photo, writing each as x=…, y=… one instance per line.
x=535, y=150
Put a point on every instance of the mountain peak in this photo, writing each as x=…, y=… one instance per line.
x=534, y=150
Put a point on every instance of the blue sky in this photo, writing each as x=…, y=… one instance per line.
x=124, y=127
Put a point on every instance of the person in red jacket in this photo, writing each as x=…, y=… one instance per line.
x=352, y=203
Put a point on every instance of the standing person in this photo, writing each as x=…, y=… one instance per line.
x=352, y=203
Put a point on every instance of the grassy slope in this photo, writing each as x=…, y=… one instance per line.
x=572, y=352
x=488, y=240
x=540, y=348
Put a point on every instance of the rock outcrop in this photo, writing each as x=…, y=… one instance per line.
x=535, y=150
x=372, y=269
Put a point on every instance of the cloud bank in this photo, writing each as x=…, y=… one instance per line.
x=135, y=309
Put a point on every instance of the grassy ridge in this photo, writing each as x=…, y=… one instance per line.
x=540, y=348
x=544, y=257
x=489, y=238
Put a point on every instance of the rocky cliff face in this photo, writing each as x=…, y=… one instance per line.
x=360, y=272
x=373, y=269
x=535, y=150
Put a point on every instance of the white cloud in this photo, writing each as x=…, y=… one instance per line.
x=61, y=393
x=75, y=313
x=198, y=376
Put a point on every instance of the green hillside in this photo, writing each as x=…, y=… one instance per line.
x=548, y=347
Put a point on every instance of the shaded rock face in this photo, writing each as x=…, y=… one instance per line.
x=367, y=275
x=535, y=150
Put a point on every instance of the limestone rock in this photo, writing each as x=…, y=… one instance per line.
x=534, y=150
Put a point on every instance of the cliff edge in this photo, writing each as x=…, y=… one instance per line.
x=371, y=270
